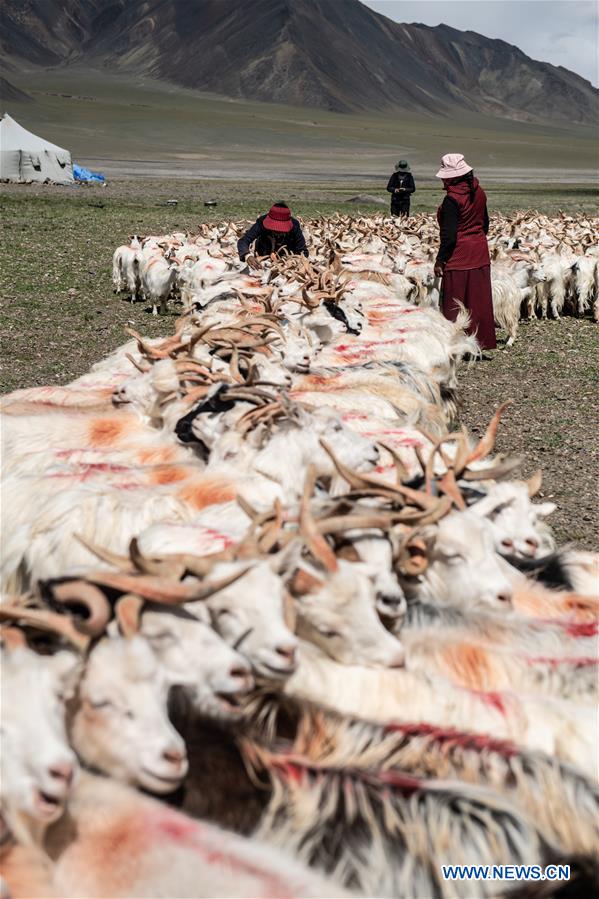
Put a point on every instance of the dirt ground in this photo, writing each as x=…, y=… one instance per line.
x=59, y=316
x=552, y=375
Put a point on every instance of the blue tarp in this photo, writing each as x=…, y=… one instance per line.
x=82, y=174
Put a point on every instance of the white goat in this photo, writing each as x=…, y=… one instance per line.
x=158, y=275
x=121, y=725
x=37, y=766
x=464, y=568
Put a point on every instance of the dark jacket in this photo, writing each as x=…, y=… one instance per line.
x=463, y=225
x=402, y=179
x=294, y=240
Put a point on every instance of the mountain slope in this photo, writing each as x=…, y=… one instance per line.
x=337, y=55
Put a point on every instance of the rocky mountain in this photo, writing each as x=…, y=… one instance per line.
x=337, y=55
x=8, y=91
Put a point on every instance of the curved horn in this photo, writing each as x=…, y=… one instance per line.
x=533, y=484
x=73, y=594
x=314, y=540
x=487, y=442
x=138, y=365
x=106, y=555
x=44, y=620
x=128, y=614
x=162, y=589
x=167, y=567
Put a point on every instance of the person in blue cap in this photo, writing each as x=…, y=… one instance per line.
x=401, y=187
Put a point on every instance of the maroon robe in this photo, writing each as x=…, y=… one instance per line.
x=467, y=272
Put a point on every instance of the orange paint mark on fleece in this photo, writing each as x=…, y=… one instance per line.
x=470, y=667
x=106, y=431
x=168, y=474
x=124, y=839
x=208, y=492
x=542, y=602
x=156, y=456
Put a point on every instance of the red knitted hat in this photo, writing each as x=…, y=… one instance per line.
x=278, y=218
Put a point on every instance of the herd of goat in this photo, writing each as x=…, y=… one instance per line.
x=272, y=624
x=541, y=266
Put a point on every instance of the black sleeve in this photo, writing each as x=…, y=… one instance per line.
x=411, y=187
x=392, y=183
x=486, y=221
x=448, y=227
x=243, y=244
x=297, y=242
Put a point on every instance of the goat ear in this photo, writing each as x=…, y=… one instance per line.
x=304, y=582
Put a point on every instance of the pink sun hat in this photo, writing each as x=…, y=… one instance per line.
x=453, y=165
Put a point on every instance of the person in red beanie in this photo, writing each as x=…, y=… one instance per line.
x=463, y=259
x=272, y=232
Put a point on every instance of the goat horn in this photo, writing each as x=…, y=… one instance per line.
x=162, y=589
x=272, y=530
x=315, y=542
x=137, y=364
x=487, y=442
x=354, y=479
x=448, y=485
x=400, y=468
x=44, y=620
x=247, y=508
x=501, y=469
x=127, y=612
x=533, y=484
x=461, y=454
x=106, y=555
x=72, y=594
x=337, y=524
x=161, y=567
x=207, y=588
x=159, y=589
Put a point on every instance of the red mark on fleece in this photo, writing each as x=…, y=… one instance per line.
x=180, y=830
x=355, y=416
x=216, y=535
x=291, y=772
x=492, y=699
x=555, y=662
x=581, y=628
x=84, y=470
x=123, y=839
x=450, y=738
x=403, y=782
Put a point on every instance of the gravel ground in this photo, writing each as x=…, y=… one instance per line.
x=551, y=374
x=59, y=316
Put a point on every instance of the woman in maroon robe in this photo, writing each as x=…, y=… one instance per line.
x=463, y=260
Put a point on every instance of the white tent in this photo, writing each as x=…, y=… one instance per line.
x=26, y=157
